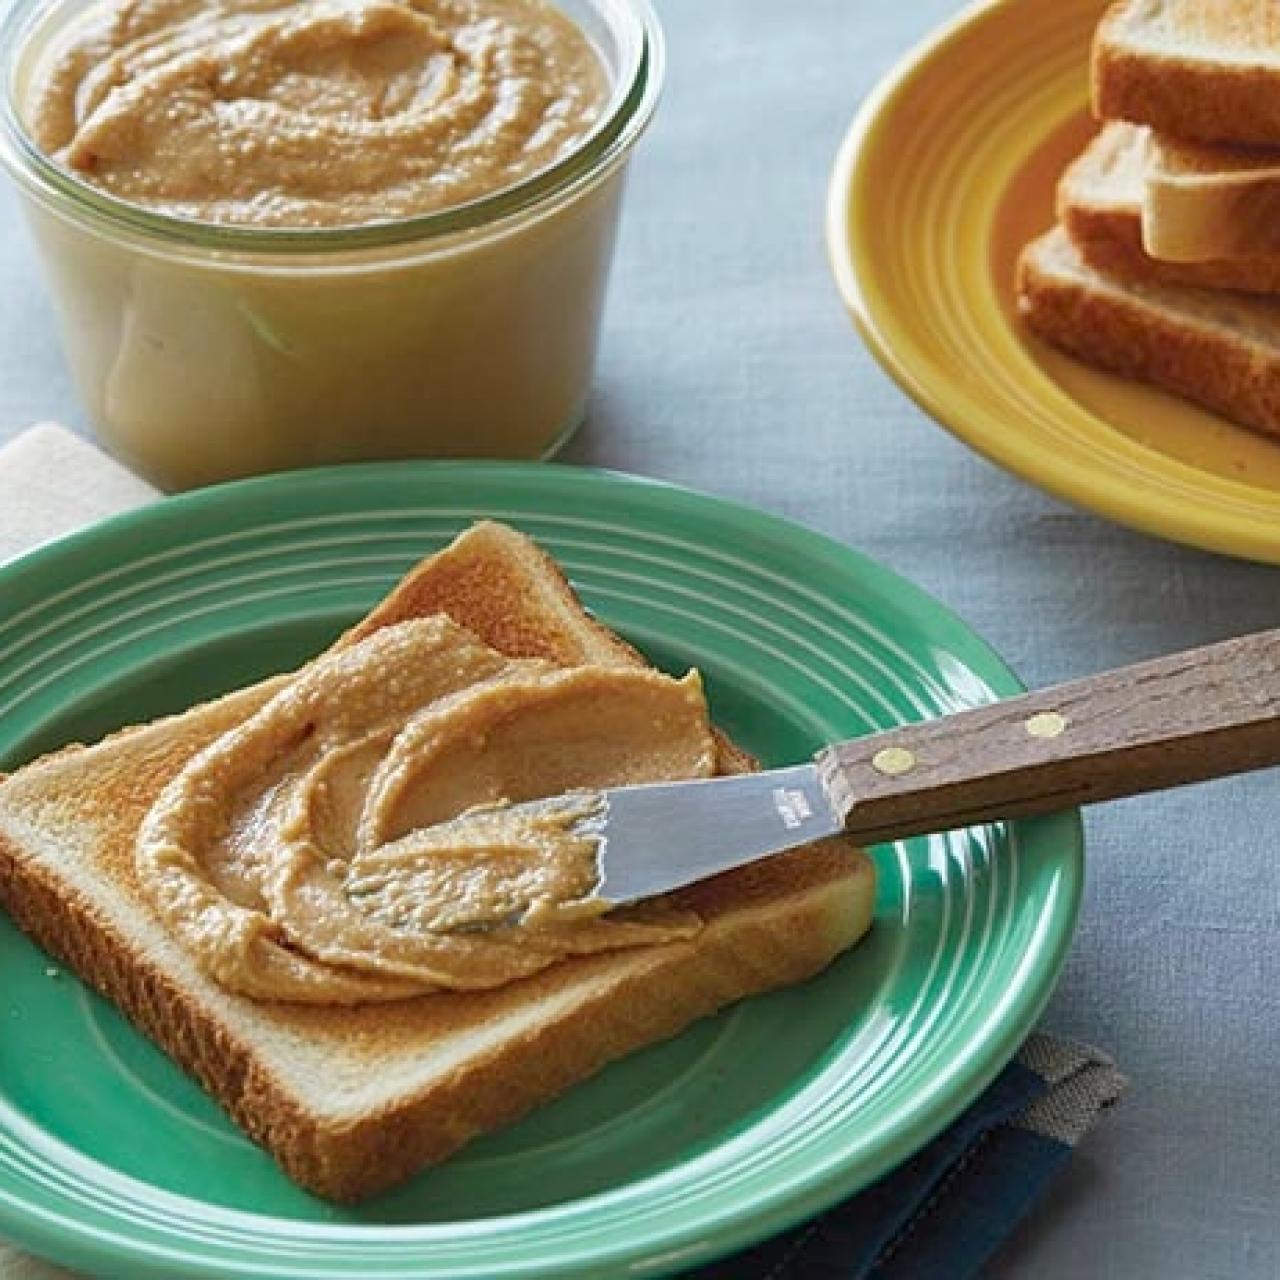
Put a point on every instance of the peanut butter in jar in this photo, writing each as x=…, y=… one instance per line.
x=290, y=232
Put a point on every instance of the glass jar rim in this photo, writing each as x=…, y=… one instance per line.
x=630, y=109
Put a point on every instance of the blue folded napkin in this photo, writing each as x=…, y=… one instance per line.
x=944, y=1212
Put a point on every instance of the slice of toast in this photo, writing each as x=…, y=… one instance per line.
x=1202, y=69
x=351, y=1100
x=1219, y=349
x=1101, y=199
x=1203, y=202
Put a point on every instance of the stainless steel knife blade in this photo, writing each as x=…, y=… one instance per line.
x=664, y=835
x=1206, y=713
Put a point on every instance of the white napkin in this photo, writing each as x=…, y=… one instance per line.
x=52, y=482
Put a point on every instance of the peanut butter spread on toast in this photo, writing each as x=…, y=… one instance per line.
x=312, y=113
x=352, y=841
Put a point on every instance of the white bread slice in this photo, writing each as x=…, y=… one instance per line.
x=353, y=1100
x=1221, y=350
x=1101, y=200
x=1202, y=69
x=1203, y=202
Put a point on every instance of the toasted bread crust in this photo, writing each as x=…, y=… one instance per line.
x=766, y=926
x=1121, y=332
x=1180, y=95
x=472, y=580
x=70, y=929
x=1109, y=237
x=643, y=1000
x=1112, y=243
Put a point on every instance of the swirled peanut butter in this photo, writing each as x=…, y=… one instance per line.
x=306, y=113
x=353, y=840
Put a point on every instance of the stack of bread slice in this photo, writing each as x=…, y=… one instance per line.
x=1165, y=263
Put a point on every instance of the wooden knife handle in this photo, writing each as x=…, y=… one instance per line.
x=1201, y=714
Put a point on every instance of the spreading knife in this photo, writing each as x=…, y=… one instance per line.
x=1202, y=714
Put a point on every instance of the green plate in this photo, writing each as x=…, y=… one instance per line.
x=111, y=1160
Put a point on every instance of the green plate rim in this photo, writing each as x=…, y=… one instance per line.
x=700, y=1240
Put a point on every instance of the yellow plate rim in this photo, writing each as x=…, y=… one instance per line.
x=1144, y=507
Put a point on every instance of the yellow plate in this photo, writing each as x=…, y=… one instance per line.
x=947, y=171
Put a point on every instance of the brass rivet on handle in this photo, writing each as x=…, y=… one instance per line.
x=1046, y=724
x=893, y=761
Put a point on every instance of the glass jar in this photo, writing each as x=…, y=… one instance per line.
x=204, y=352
